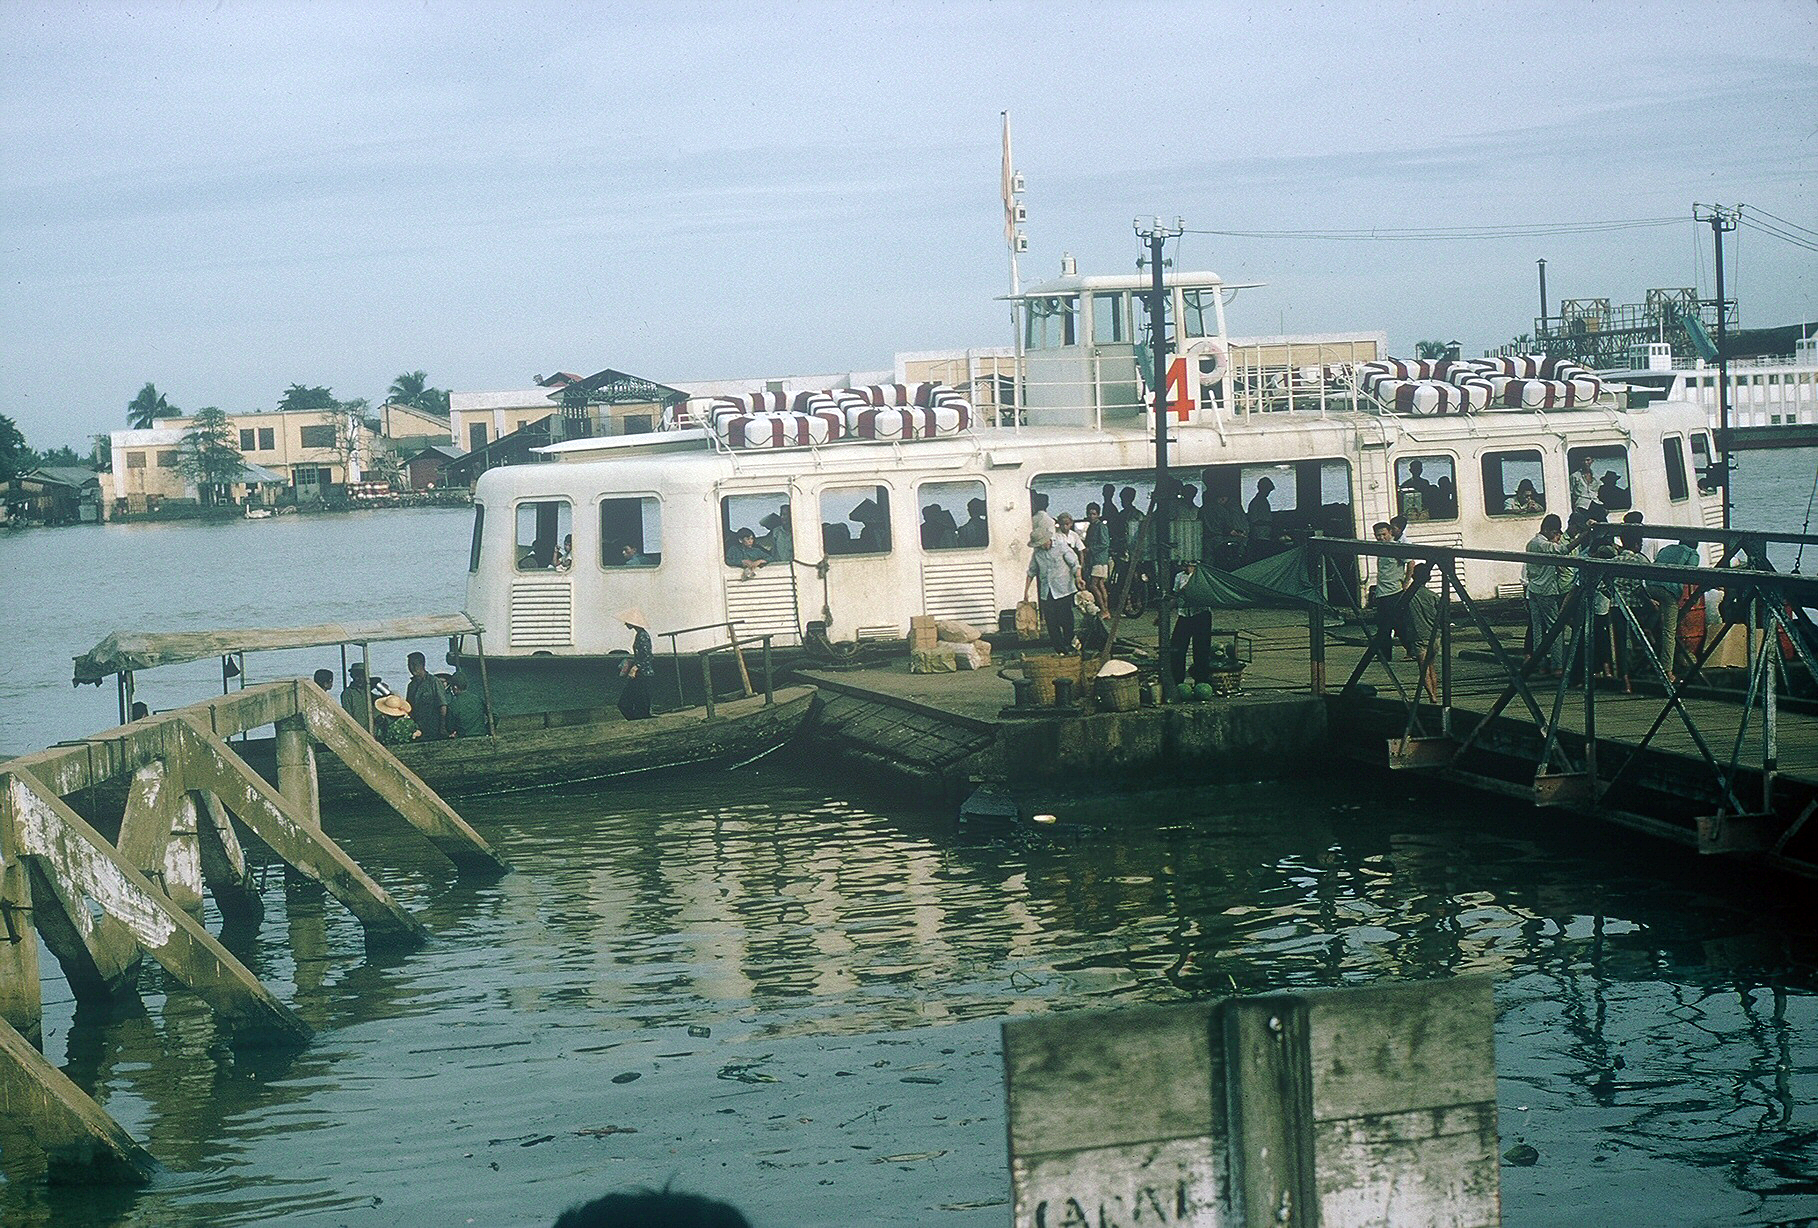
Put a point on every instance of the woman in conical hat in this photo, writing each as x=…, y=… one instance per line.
x=634, y=700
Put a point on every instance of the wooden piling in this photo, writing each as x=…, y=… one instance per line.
x=402, y=789
x=21, y=1001
x=68, y=852
x=210, y=763
x=81, y=1142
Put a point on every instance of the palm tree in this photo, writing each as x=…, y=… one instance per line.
x=408, y=388
x=412, y=388
x=148, y=407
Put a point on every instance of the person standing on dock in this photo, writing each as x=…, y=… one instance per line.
x=634, y=699
x=1545, y=584
x=1390, y=598
x=428, y=699
x=1054, y=570
x=1681, y=606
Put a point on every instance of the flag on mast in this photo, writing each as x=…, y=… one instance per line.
x=1009, y=192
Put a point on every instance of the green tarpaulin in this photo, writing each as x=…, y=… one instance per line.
x=1286, y=580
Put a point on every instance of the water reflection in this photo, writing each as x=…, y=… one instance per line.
x=1654, y=1039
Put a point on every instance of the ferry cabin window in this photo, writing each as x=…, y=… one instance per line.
x=1426, y=488
x=1514, y=483
x=545, y=535
x=1050, y=321
x=631, y=531
x=766, y=516
x=1609, y=474
x=1110, y=319
x=1702, y=464
x=1673, y=451
x=473, y=551
x=855, y=520
x=953, y=516
x=1201, y=315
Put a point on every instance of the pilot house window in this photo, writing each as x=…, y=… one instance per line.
x=631, y=532
x=953, y=516
x=545, y=535
x=756, y=530
x=1426, y=488
x=1608, y=483
x=1514, y=483
x=855, y=520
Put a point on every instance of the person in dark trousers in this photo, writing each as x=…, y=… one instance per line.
x=1192, y=625
x=634, y=699
x=1055, y=571
x=428, y=699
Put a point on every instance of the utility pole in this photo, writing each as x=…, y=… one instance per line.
x=1541, y=331
x=1721, y=220
x=1155, y=234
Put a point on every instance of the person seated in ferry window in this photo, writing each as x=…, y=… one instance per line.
x=1611, y=492
x=745, y=554
x=778, y=542
x=1526, y=500
x=631, y=556
x=564, y=555
x=975, y=532
x=1445, y=500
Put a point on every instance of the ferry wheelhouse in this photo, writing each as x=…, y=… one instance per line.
x=868, y=505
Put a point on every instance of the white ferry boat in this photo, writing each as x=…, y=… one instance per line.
x=867, y=506
x=1773, y=399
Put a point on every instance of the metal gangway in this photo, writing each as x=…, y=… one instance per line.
x=1728, y=765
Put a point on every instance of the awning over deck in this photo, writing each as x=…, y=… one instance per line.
x=124, y=651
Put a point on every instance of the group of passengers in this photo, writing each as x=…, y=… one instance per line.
x=1670, y=617
x=1076, y=565
x=432, y=708
x=749, y=552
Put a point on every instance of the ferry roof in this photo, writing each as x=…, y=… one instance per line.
x=124, y=651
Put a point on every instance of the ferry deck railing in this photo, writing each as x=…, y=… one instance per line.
x=1772, y=609
x=734, y=646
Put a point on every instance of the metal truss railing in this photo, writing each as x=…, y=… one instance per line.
x=1770, y=607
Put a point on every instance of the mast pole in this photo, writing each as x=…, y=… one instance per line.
x=1155, y=235
x=1722, y=220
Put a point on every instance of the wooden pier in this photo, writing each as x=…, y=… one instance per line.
x=1723, y=761
x=103, y=888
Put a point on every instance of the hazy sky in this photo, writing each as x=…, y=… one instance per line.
x=228, y=198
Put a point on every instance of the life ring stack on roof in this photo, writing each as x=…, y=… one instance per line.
x=1427, y=386
x=808, y=419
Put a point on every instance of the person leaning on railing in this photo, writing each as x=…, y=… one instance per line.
x=1545, y=585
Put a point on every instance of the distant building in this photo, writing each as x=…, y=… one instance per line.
x=56, y=494
x=308, y=452
x=427, y=469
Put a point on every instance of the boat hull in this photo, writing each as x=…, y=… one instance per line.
x=526, y=755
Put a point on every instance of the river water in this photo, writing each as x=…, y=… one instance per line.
x=785, y=990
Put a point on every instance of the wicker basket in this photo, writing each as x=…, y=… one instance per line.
x=1119, y=693
x=1042, y=669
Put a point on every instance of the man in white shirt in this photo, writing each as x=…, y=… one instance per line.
x=1054, y=569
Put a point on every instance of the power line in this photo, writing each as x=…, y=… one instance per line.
x=1786, y=236
x=1789, y=225
x=1434, y=233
